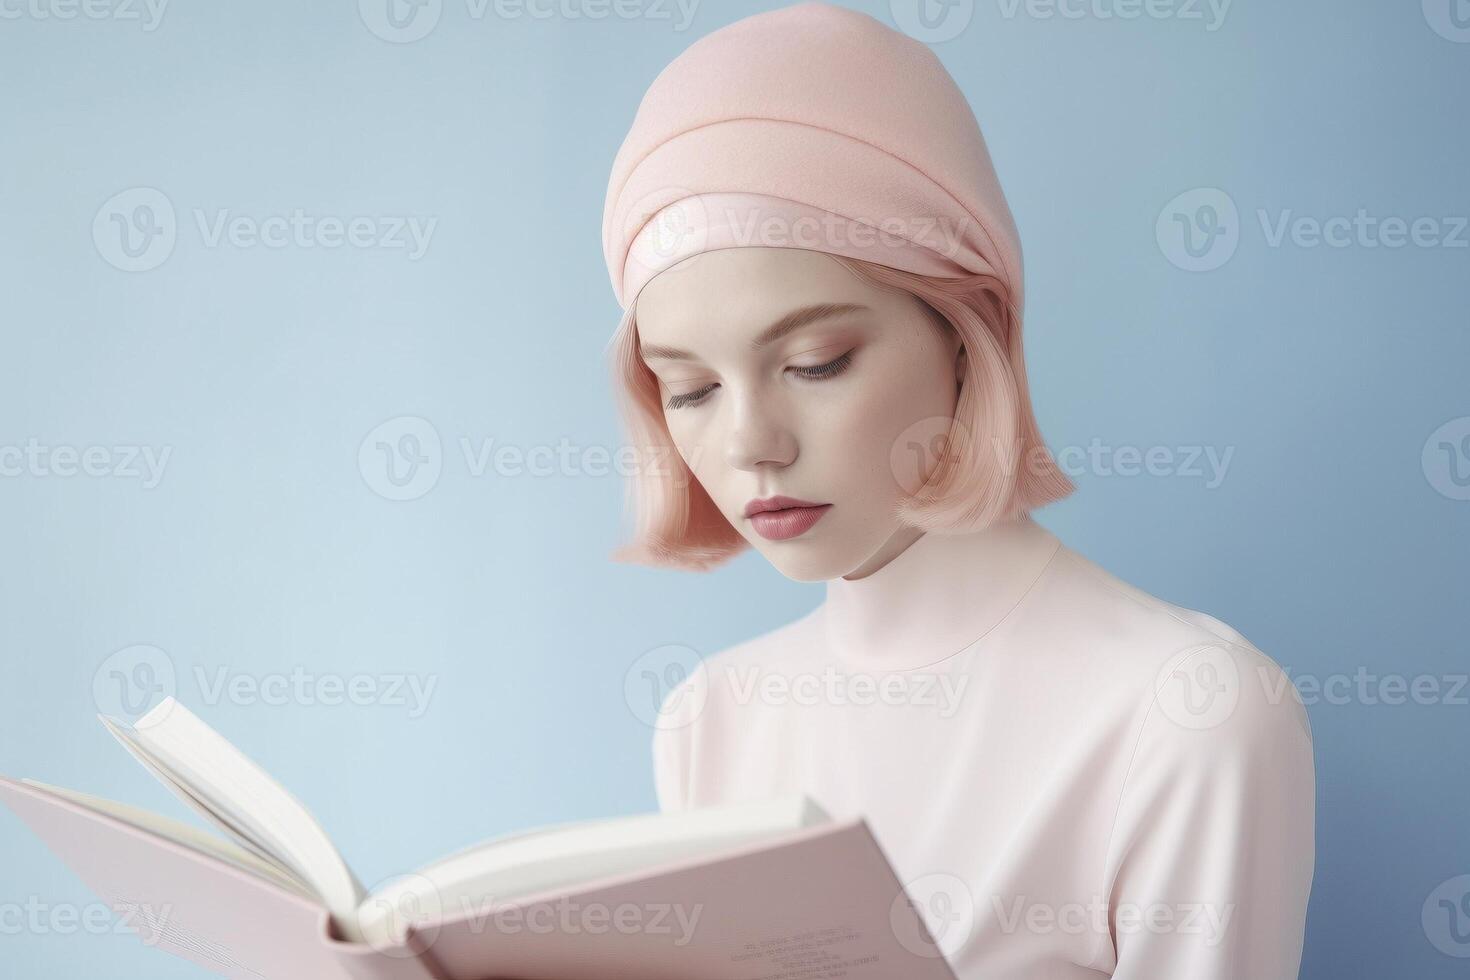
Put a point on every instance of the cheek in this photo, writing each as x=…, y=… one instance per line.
x=883, y=428
x=698, y=437
x=684, y=434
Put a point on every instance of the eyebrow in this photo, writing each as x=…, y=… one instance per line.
x=794, y=320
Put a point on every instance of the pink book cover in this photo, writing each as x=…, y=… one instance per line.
x=821, y=903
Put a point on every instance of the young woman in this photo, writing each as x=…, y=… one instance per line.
x=822, y=292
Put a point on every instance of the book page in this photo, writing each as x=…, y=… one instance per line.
x=206, y=770
x=182, y=834
x=504, y=868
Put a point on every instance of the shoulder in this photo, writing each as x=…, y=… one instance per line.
x=711, y=679
x=698, y=718
x=1165, y=671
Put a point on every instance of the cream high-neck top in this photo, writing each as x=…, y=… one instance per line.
x=1073, y=778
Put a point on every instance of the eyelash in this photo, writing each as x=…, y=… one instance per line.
x=819, y=373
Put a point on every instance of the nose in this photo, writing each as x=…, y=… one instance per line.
x=759, y=434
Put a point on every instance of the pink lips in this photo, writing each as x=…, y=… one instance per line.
x=778, y=518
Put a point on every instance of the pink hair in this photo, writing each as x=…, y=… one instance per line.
x=995, y=465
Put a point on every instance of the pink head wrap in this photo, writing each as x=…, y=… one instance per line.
x=811, y=126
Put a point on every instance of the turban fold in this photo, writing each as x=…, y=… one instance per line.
x=810, y=126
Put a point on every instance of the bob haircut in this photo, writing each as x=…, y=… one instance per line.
x=992, y=465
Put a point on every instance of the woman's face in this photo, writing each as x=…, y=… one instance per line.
x=783, y=374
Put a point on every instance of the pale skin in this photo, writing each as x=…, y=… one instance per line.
x=814, y=413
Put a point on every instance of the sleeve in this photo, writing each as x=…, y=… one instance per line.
x=672, y=738
x=1210, y=861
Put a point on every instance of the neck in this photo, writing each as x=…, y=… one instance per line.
x=936, y=597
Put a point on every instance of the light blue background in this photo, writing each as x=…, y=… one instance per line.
x=265, y=548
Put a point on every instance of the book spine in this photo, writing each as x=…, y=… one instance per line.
x=395, y=964
x=363, y=961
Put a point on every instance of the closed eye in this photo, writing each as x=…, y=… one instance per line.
x=690, y=397
x=819, y=372
x=827, y=370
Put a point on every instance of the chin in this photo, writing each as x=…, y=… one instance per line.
x=811, y=560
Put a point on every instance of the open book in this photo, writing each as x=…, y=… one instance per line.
x=275, y=898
